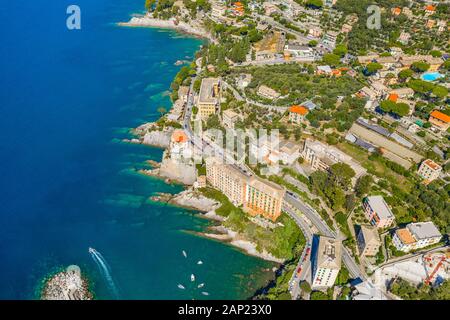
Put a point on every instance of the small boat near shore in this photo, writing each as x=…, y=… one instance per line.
x=192, y=277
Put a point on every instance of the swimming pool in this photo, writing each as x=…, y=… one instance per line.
x=431, y=76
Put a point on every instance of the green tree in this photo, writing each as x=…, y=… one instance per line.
x=312, y=43
x=363, y=185
x=420, y=66
x=405, y=74
x=440, y=92
x=340, y=50
x=373, y=67
x=331, y=59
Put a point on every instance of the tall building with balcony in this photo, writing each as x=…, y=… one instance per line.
x=264, y=198
x=256, y=195
x=208, y=102
x=378, y=212
x=228, y=179
x=326, y=263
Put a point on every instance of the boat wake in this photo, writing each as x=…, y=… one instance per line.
x=105, y=270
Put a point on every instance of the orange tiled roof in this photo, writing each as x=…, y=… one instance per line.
x=440, y=116
x=393, y=97
x=179, y=136
x=430, y=163
x=298, y=109
x=430, y=8
x=396, y=11
x=405, y=236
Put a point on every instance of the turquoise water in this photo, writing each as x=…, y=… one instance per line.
x=431, y=76
x=67, y=184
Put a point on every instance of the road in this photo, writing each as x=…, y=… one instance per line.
x=303, y=264
x=323, y=229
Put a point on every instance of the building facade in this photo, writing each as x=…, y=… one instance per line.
x=429, y=170
x=416, y=236
x=208, y=102
x=377, y=212
x=256, y=195
x=368, y=241
x=297, y=114
x=326, y=263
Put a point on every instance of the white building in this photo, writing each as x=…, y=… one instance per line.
x=429, y=170
x=326, y=263
x=321, y=157
x=416, y=236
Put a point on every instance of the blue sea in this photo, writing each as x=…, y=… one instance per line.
x=67, y=183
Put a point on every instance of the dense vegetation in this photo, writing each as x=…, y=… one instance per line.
x=407, y=291
x=284, y=241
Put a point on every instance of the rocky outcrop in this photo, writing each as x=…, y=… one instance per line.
x=67, y=285
x=174, y=170
x=194, y=200
x=147, y=20
x=157, y=138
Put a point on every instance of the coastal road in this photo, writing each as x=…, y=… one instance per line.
x=303, y=264
x=323, y=229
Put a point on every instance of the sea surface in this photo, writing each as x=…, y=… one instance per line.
x=67, y=183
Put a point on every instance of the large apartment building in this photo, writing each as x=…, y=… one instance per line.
x=326, y=262
x=256, y=195
x=263, y=197
x=228, y=179
x=416, y=236
x=208, y=102
x=378, y=212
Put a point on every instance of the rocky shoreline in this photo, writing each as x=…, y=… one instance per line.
x=192, y=199
x=148, y=21
x=67, y=285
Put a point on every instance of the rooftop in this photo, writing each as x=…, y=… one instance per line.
x=424, y=230
x=441, y=116
x=208, y=92
x=329, y=253
x=380, y=206
x=298, y=109
x=433, y=165
x=370, y=234
x=405, y=236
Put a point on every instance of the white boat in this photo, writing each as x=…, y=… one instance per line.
x=205, y=293
x=181, y=286
x=91, y=250
x=184, y=254
x=200, y=262
x=201, y=285
x=192, y=277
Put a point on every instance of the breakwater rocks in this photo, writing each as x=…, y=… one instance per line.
x=67, y=285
